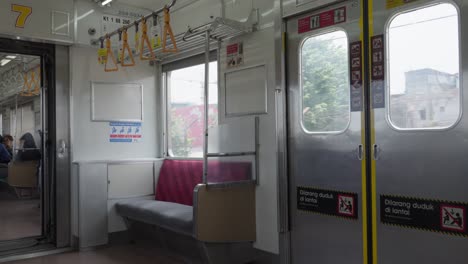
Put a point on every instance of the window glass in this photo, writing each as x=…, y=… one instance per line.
x=325, y=83
x=424, y=68
x=186, y=109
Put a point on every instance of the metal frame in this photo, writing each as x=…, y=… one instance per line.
x=94, y=119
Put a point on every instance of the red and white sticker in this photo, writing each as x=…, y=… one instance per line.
x=234, y=55
x=346, y=205
x=322, y=20
x=452, y=218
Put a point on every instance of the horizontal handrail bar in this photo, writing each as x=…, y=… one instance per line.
x=231, y=154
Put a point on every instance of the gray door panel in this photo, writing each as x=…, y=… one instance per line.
x=326, y=161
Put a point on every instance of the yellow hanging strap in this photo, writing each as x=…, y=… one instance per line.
x=126, y=47
x=145, y=40
x=36, y=81
x=110, y=55
x=30, y=82
x=168, y=31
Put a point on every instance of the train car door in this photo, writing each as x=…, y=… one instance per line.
x=324, y=56
x=419, y=132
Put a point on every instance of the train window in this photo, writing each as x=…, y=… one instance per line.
x=185, y=112
x=325, y=83
x=424, y=78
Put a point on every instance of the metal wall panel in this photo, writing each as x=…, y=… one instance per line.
x=324, y=161
x=92, y=205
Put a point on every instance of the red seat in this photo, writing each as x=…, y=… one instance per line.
x=178, y=178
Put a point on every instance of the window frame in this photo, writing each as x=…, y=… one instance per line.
x=301, y=90
x=166, y=70
x=412, y=8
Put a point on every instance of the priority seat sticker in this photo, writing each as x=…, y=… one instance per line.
x=424, y=214
x=334, y=203
x=322, y=20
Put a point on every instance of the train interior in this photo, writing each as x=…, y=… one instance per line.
x=233, y=131
x=21, y=158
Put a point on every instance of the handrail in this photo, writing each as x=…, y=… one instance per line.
x=145, y=39
x=115, y=32
x=168, y=31
x=109, y=52
x=231, y=154
x=126, y=47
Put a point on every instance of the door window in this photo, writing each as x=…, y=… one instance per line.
x=325, y=83
x=424, y=77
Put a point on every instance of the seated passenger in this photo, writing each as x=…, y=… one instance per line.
x=5, y=157
x=28, y=150
x=8, y=142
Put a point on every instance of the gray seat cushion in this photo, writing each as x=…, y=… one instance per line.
x=172, y=216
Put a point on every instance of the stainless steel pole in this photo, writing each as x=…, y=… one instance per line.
x=207, y=106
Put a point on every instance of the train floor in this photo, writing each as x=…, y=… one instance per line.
x=19, y=217
x=116, y=254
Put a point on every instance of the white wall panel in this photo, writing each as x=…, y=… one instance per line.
x=90, y=140
x=259, y=50
x=39, y=24
x=130, y=180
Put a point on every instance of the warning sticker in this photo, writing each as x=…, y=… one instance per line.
x=235, y=55
x=378, y=71
x=327, y=202
x=431, y=215
x=322, y=20
x=452, y=217
x=356, y=76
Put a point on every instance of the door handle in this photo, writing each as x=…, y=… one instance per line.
x=62, y=149
x=360, y=152
x=376, y=151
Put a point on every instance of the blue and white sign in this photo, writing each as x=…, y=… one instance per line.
x=125, y=132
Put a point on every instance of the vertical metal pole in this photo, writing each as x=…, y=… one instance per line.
x=207, y=107
x=257, y=150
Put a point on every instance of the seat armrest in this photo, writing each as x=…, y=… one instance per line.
x=225, y=213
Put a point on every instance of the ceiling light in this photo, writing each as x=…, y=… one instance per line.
x=4, y=62
x=105, y=2
x=11, y=57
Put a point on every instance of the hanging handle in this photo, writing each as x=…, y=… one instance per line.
x=126, y=47
x=168, y=31
x=145, y=40
x=110, y=55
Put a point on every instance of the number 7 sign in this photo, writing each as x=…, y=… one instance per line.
x=24, y=13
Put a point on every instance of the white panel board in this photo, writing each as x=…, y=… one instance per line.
x=44, y=20
x=130, y=180
x=246, y=91
x=117, y=102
